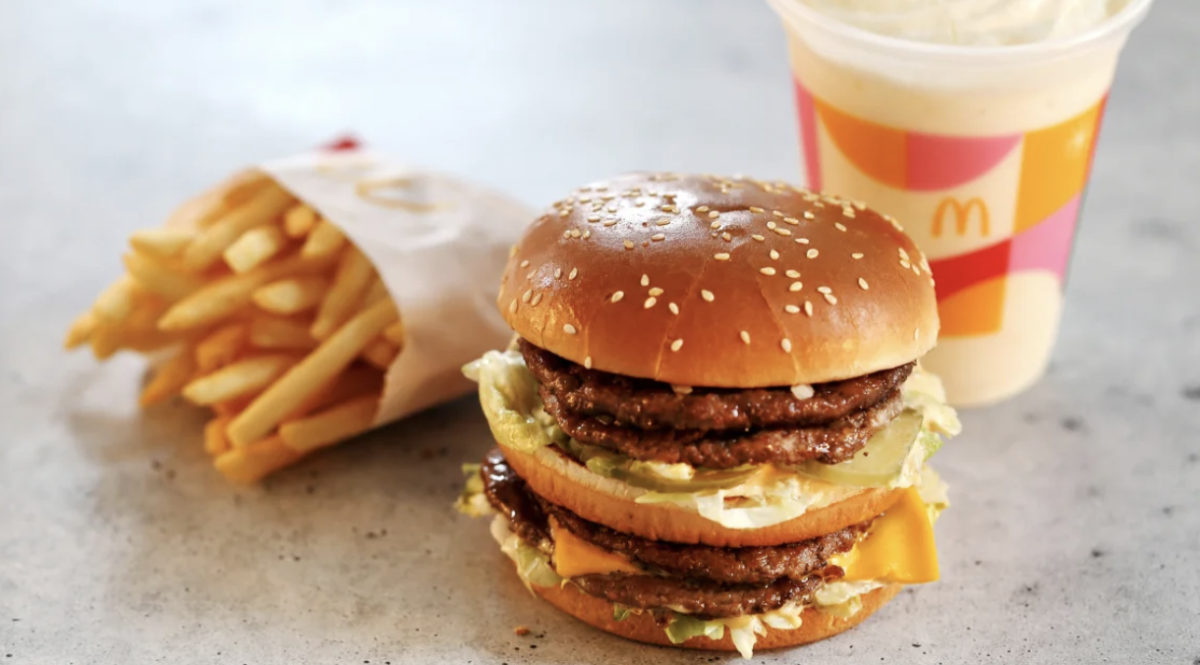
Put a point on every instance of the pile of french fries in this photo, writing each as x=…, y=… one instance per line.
x=262, y=311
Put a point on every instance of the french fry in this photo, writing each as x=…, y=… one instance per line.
x=269, y=332
x=169, y=379
x=334, y=424
x=325, y=239
x=115, y=303
x=243, y=187
x=105, y=341
x=231, y=407
x=293, y=295
x=160, y=277
x=380, y=353
x=215, y=442
x=163, y=242
x=253, y=462
x=353, y=275
x=238, y=379
x=254, y=247
x=221, y=347
x=375, y=292
x=299, y=220
x=260, y=210
x=325, y=362
x=81, y=330
x=225, y=296
x=395, y=333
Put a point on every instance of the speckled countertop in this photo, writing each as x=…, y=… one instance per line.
x=1075, y=531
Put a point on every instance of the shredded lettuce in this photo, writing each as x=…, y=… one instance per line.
x=508, y=394
x=620, y=613
x=471, y=501
x=934, y=492
x=683, y=627
x=533, y=567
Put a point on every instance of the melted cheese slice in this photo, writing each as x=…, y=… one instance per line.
x=898, y=548
x=574, y=556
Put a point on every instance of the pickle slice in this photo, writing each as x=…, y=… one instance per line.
x=881, y=461
x=703, y=480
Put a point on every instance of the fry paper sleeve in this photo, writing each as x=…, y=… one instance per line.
x=439, y=244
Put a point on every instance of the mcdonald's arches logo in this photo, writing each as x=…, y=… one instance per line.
x=962, y=216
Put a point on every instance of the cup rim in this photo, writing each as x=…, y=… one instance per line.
x=1122, y=21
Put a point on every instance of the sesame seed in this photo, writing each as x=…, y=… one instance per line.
x=791, y=309
x=674, y=308
x=801, y=241
x=756, y=209
x=812, y=253
x=791, y=220
x=707, y=295
x=916, y=270
x=796, y=286
x=537, y=298
x=682, y=390
x=903, y=254
x=669, y=208
x=859, y=204
x=512, y=306
x=917, y=334
x=830, y=298
x=628, y=244
x=713, y=214
x=655, y=291
x=905, y=264
x=639, y=203
x=558, y=273
x=587, y=362
x=587, y=234
x=786, y=345
x=569, y=329
x=574, y=273
x=771, y=225
x=839, y=226
x=611, y=208
x=531, y=273
x=525, y=296
x=649, y=302
x=564, y=212
x=808, y=308
x=714, y=225
x=774, y=255
x=616, y=297
x=593, y=218
x=611, y=222
x=645, y=280
x=745, y=337
x=794, y=274
x=856, y=256
x=658, y=236
x=726, y=237
x=818, y=204
x=567, y=234
x=525, y=264
x=849, y=212
x=585, y=199
x=758, y=237
x=782, y=232
x=767, y=271
x=824, y=289
x=809, y=215
x=721, y=256
x=663, y=222
x=702, y=209
x=575, y=233
x=863, y=283
x=777, y=213
x=676, y=345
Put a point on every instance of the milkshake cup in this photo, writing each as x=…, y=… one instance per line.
x=982, y=153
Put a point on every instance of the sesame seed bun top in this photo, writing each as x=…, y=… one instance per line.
x=722, y=282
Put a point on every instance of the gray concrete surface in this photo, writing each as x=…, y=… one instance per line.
x=1075, y=534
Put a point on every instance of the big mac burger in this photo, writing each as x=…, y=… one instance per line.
x=712, y=424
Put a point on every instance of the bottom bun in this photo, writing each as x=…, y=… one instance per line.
x=816, y=625
x=562, y=481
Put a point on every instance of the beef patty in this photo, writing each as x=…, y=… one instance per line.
x=698, y=579
x=647, y=404
x=829, y=444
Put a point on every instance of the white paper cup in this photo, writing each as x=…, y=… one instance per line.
x=982, y=153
